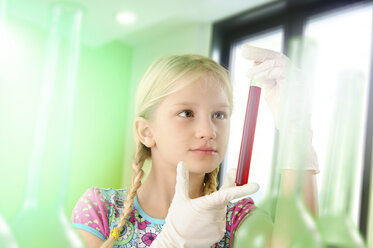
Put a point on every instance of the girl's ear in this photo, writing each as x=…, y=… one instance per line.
x=144, y=132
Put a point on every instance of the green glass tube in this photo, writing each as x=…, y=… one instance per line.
x=269, y=201
x=255, y=231
x=335, y=221
x=294, y=226
x=42, y=221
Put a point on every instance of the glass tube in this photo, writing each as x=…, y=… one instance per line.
x=248, y=134
x=255, y=231
x=293, y=224
x=42, y=221
x=336, y=221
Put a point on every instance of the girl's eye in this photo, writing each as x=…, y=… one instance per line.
x=186, y=113
x=220, y=115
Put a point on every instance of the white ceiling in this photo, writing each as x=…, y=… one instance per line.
x=100, y=25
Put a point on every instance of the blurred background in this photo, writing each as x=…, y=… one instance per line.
x=81, y=135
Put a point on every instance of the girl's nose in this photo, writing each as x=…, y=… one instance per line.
x=206, y=129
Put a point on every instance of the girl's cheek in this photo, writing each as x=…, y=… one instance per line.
x=223, y=125
x=225, y=131
x=181, y=126
x=182, y=122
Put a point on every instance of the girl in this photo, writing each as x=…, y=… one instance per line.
x=183, y=108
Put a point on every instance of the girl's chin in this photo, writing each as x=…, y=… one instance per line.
x=200, y=168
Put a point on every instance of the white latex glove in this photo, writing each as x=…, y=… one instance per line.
x=199, y=222
x=271, y=70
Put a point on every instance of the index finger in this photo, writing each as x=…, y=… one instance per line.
x=228, y=194
x=223, y=196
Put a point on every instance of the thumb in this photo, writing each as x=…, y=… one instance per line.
x=229, y=179
x=182, y=180
x=229, y=194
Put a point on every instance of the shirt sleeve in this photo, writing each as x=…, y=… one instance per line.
x=239, y=211
x=236, y=213
x=90, y=214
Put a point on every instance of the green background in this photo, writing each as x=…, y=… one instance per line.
x=107, y=77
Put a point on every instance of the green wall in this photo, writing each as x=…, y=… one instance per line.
x=101, y=118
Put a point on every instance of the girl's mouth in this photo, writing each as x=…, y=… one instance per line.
x=204, y=151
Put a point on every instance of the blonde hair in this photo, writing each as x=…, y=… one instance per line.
x=165, y=76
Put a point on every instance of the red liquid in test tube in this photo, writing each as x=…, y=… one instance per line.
x=247, y=141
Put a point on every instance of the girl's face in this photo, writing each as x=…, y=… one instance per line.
x=192, y=125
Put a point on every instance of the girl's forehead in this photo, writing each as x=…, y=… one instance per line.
x=204, y=82
x=209, y=82
x=200, y=91
x=202, y=85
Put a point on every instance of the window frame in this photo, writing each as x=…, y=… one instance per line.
x=292, y=15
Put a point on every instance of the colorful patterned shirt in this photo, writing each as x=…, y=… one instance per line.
x=98, y=212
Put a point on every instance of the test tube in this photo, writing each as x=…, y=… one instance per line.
x=248, y=134
x=42, y=221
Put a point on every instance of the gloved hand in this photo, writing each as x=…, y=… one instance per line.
x=199, y=222
x=271, y=69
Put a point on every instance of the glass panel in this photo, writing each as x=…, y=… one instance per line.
x=344, y=39
x=265, y=129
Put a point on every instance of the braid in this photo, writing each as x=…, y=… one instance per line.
x=211, y=182
x=141, y=155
